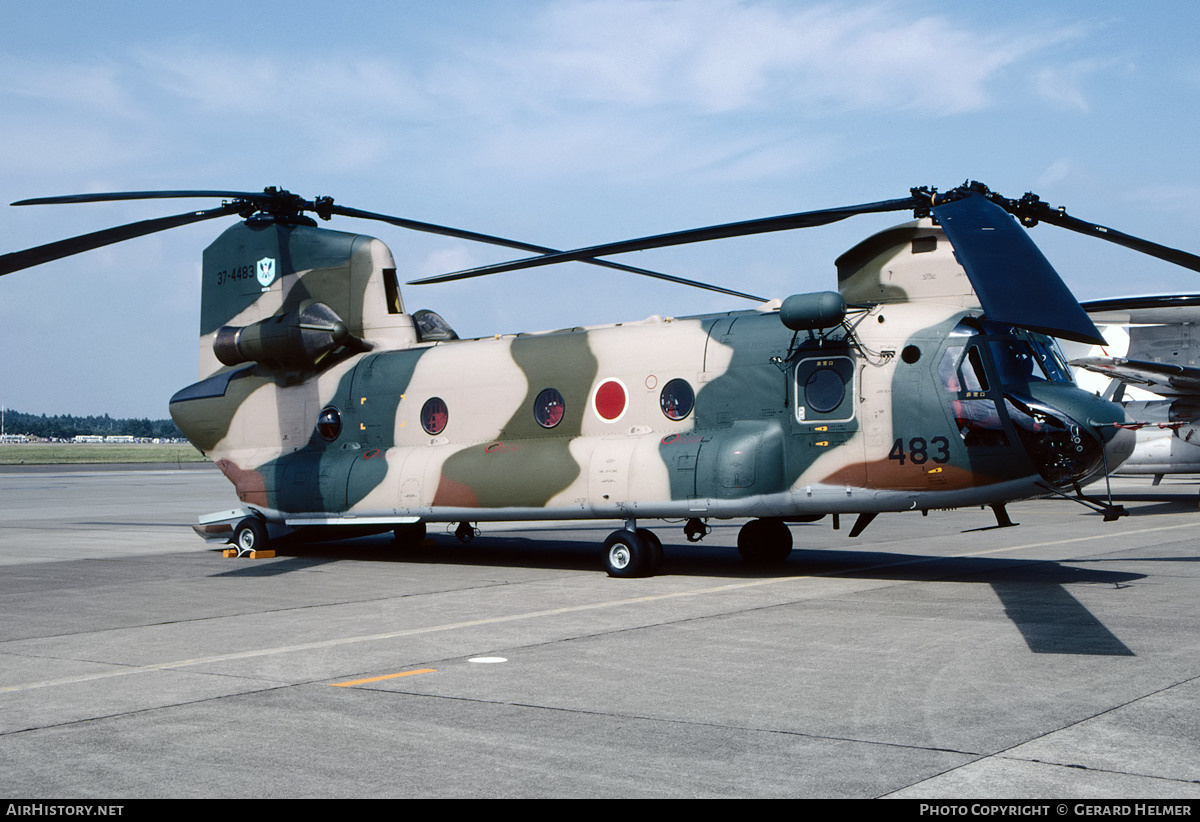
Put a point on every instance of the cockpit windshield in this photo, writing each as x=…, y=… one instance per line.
x=1021, y=356
x=1017, y=357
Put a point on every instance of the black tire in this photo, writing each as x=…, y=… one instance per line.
x=409, y=535
x=627, y=554
x=249, y=535
x=655, y=557
x=765, y=542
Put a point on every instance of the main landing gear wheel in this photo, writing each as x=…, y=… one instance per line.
x=655, y=557
x=765, y=542
x=249, y=535
x=632, y=553
x=409, y=535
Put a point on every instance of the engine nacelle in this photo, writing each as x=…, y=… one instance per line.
x=296, y=340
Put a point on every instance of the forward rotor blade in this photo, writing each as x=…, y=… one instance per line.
x=461, y=234
x=1015, y=283
x=86, y=242
x=1063, y=220
x=805, y=219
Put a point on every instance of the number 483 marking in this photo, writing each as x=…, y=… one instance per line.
x=918, y=450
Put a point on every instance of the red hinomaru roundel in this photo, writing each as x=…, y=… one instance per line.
x=610, y=400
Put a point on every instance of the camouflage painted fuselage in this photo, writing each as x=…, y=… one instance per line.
x=727, y=415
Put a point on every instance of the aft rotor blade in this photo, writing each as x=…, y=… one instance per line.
x=805, y=219
x=142, y=195
x=30, y=257
x=433, y=228
x=1015, y=283
x=461, y=234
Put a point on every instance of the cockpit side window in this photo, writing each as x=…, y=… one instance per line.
x=965, y=380
x=948, y=369
x=963, y=374
x=974, y=374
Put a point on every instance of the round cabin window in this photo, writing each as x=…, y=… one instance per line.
x=824, y=390
x=677, y=399
x=548, y=408
x=434, y=416
x=329, y=423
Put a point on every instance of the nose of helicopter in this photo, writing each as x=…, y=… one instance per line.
x=1072, y=436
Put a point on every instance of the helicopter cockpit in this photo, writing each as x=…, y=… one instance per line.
x=1005, y=383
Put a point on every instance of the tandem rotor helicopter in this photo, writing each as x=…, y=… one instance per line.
x=930, y=379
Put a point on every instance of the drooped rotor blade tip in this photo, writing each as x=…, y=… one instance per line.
x=1015, y=283
x=49, y=252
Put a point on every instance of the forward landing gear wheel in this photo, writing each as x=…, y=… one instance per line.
x=249, y=535
x=765, y=542
x=631, y=553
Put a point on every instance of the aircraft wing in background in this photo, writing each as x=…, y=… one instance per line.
x=1158, y=338
x=1164, y=379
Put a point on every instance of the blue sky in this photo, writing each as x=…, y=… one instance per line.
x=563, y=124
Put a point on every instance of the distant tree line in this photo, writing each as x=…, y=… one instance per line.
x=66, y=426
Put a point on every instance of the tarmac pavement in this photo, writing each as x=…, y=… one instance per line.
x=931, y=657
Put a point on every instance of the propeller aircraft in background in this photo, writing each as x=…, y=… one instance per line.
x=930, y=379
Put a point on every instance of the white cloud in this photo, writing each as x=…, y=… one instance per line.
x=274, y=84
x=50, y=85
x=642, y=90
x=1057, y=171
x=1064, y=84
x=36, y=147
x=628, y=87
x=722, y=55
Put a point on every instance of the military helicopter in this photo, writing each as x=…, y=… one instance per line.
x=1153, y=346
x=930, y=379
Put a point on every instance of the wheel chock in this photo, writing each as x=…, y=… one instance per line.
x=233, y=552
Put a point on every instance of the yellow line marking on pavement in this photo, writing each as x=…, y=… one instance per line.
x=381, y=678
x=474, y=623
